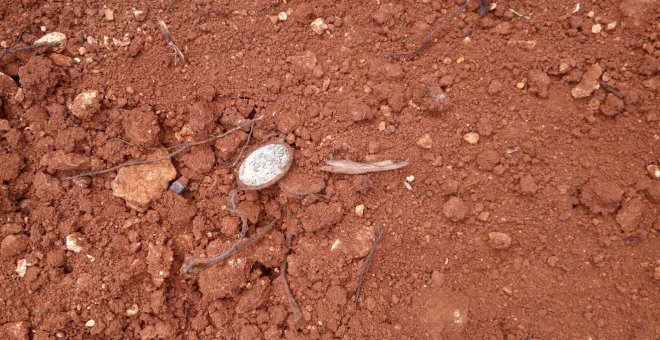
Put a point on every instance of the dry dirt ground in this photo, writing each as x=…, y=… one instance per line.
x=530, y=208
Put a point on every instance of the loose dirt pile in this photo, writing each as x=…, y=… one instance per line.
x=530, y=207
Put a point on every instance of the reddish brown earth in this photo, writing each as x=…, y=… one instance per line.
x=544, y=226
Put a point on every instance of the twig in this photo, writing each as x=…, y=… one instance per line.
x=365, y=265
x=14, y=50
x=240, y=153
x=178, y=149
x=429, y=37
x=196, y=264
x=611, y=90
x=519, y=14
x=297, y=313
x=171, y=42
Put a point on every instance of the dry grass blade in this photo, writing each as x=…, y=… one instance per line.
x=171, y=43
x=365, y=265
x=357, y=168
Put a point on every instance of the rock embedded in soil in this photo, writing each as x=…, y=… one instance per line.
x=538, y=83
x=425, y=141
x=86, y=104
x=320, y=215
x=10, y=166
x=299, y=183
x=62, y=161
x=225, y=279
x=498, y=240
x=528, y=185
x=8, y=86
x=455, y=209
x=589, y=82
x=471, y=138
x=15, y=331
x=13, y=245
x=494, y=87
x=630, y=214
x=159, y=261
x=654, y=171
x=601, y=197
x=139, y=185
x=141, y=126
x=305, y=62
x=57, y=38
x=488, y=159
x=254, y=297
x=612, y=106
x=38, y=77
x=318, y=26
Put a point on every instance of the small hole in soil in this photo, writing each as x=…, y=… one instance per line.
x=265, y=271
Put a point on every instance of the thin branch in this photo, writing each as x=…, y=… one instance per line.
x=240, y=153
x=196, y=264
x=178, y=149
x=434, y=32
x=14, y=50
x=171, y=42
x=297, y=313
x=611, y=90
x=367, y=260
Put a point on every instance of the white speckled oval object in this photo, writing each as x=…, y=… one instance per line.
x=265, y=165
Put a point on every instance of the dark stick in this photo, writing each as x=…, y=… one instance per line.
x=240, y=153
x=365, y=265
x=297, y=313
x=178, y=149
x=14, y=50
x=429, y=37
x=195, y=264
x=611, y=90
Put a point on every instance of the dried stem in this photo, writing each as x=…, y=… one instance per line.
x=240, y=153
x=431, y=35
x=14, y=50
x=297, y=313
x=171, y=42
x=177, y=150
x=367, y=260
x=611, y=90
x=196, y=264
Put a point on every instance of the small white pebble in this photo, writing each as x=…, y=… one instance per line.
x=318, y=26
x=335, y=245
x=596, y=28
x=282, y=16
x=520, y=85
x=72, y=242
x=90, y=323
x=359, y=210
x=471, y=138
x=410, y=178
x=590, y=14
x=109, y=14
x=611, y=25
x=132, y=310
x=21, y=267
x=654, y=171
x=407, y=185
x=54, y=38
